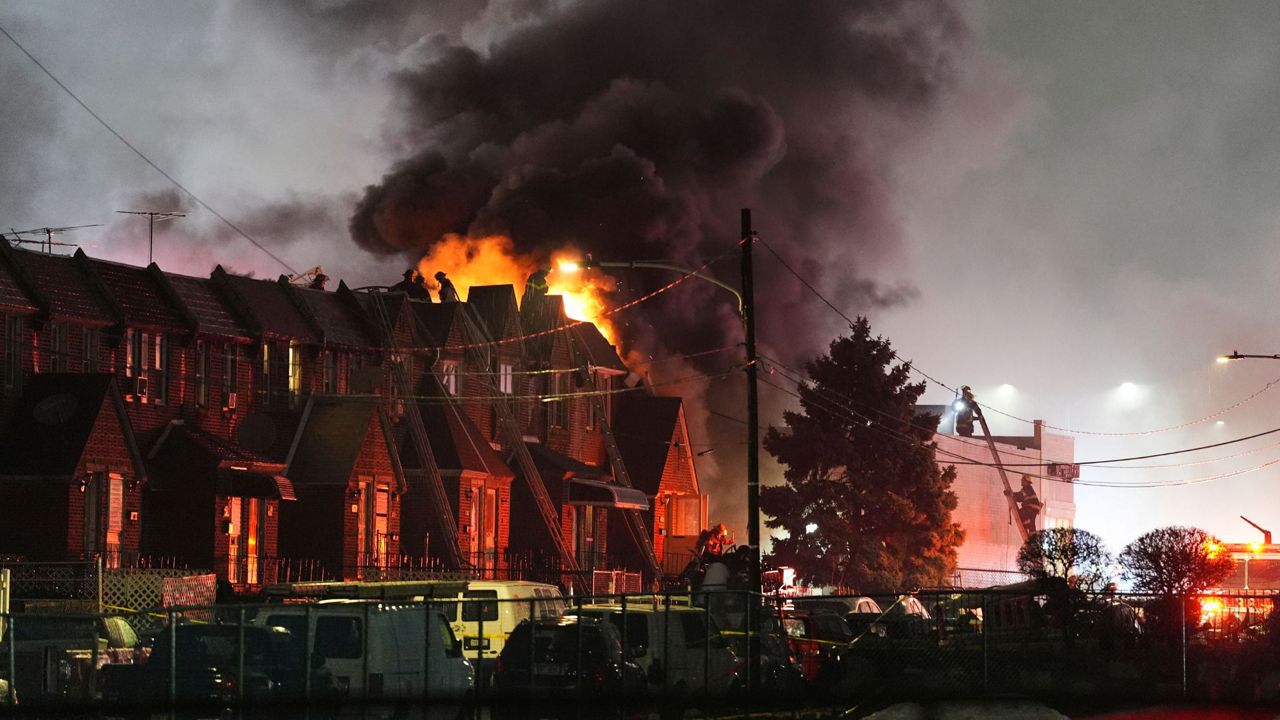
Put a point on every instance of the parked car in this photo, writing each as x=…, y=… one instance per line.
x=379, y=652
x=679, y=648
x=206, y=666
x=819, y=641
x=54, y=655
x=905, y=617
x=566, y=655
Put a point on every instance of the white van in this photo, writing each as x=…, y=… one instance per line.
x=687, y=654
x=490, y=609
x=376, y=650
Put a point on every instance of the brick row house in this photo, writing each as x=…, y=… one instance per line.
x=268, y=431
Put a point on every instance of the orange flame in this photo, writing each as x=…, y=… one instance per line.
x=492, y=260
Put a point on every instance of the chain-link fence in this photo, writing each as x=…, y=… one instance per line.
x=451, y=641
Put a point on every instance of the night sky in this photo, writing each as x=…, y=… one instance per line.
x=1061, y=197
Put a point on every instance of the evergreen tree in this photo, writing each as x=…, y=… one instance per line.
x=865, y=504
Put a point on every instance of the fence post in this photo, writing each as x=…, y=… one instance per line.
x=986, y=645
x=240, y=658
x=98, y=566
x=173, y=658
x=12, y=624
x=309, y=643
x=428, y=620
x=1182, y=627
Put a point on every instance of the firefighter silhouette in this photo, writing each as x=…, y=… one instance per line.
x=448, y=293
x=1029, y=505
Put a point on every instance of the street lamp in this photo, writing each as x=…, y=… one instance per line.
x=1237, y=355
x=746, y=310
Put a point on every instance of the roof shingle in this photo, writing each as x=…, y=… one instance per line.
x=70, y=293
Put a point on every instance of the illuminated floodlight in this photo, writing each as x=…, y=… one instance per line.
x=1221, y=423
x=811, y=528
x=568, y=266
x=1224, y=359
x=959, y=405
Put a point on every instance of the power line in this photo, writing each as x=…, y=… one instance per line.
x=913, y=368
x=144, y=157
x=1154, y=484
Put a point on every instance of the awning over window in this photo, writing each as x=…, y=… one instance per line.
x=601, y=494
x=244, y=483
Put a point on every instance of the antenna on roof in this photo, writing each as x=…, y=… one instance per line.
x=153, y=215
x=47, y=243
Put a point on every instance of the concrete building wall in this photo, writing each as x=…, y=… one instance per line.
x=992, y=538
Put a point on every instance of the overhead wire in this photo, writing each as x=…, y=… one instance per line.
x=154, y=166
x=1153, y=484
x=912, y=367
x=1045, y=463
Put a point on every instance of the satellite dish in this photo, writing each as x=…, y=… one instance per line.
x=55, y=409
x=257, y=433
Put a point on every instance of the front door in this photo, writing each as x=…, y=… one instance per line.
x=253, y=549
x=233, y=520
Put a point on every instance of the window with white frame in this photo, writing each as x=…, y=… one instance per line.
x=448, y=374
x=230, y=375
x=557, y=405
x=684, y=515
x=506, y=378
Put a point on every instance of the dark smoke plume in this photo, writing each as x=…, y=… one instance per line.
x=636, y=130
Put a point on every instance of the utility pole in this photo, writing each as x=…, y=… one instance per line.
x=152, y=215
x=753, y=454
x=753, y=401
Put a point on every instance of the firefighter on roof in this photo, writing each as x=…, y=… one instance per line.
x=447, y=292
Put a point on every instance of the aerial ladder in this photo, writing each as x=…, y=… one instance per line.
x=436, y=495
x=636, y=526
x=967, y=404
x=513, y=437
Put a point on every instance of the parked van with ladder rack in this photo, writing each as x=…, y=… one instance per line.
x=482, y=613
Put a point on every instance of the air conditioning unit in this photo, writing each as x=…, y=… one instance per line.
x=230, y=404
x=140, y=387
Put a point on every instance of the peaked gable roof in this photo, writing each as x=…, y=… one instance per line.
x=54, y=419
x=591, y=343
x=210, y=309
x=334, y=318
x=331, y=433
x=13, y=287
x=136, y=292
x=644, y=426
x=70, y=293
x=458, y=444
x=265, y=305
x=496, y=307
x=438, y=324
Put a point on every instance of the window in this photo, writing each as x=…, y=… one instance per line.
x=58, y=347
x=12, y=370
x=158, y=369
x=557, y=407
x=684, y=515
x=89, y=349
x=133, y=341
x=230, y=374
x=115, y=517
x=506, y=378
x=202, y=374
x=475, y=608
x=449, y=377
x=266, y=371
x=329, y=369
x=339, y=637
x=295, y=373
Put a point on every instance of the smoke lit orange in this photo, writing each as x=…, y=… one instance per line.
x=492, y=260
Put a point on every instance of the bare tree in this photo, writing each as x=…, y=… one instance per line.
x=1075, y=555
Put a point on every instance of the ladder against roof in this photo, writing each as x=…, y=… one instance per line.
x=635, y=521
x=514, y=439
x=436, y=495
